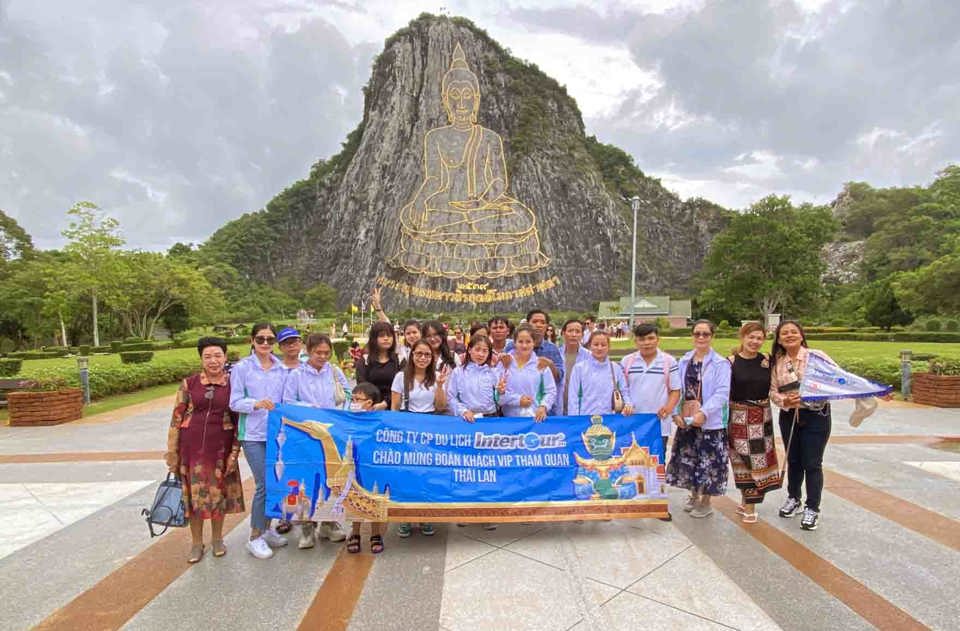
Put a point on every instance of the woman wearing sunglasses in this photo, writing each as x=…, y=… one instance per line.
x=256, y=385
x=699, y=458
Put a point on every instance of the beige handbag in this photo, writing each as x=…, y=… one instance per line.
x=617, y=402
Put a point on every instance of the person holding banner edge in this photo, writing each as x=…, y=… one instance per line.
x=256, y=385
x=699, y=458
x=805, y=427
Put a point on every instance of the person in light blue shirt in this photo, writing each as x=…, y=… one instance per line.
x=545, y=349
x=573, y=354
x=472, y=388
x=256, y=385
x=526, y=388
x=594, y=381
x=320, y=384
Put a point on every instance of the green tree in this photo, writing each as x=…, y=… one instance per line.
x=320, y=297
x=767, y=258
x=94, y=240
x=934, y=288
x=14, y=241
x=881, y=307
x=148, y=285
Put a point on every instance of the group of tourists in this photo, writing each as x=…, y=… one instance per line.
x=715, y=406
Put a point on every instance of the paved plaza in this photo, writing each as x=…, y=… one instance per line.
x=75, y=552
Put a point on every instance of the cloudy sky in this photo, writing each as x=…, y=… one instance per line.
x=177, y=116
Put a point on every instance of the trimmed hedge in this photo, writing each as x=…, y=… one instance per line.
x=84, y=349
x=137, y=346
x=116, y=346
x=36, y=354
x=136, y=357
x=10, y=367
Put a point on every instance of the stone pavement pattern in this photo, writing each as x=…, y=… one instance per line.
x=75, y=553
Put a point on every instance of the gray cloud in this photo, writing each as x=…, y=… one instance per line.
x=180, y=116
x=174, y=118
x=854, y=91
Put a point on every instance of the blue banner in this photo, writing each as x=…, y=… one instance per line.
x=400, y=466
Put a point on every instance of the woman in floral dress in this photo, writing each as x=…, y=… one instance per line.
x=202, y=448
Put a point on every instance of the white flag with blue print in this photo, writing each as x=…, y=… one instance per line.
x=825, y=381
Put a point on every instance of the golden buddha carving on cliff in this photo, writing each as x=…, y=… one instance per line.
x=462, y=223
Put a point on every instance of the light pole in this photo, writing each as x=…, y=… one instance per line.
x=83, y=365
x=635, y=205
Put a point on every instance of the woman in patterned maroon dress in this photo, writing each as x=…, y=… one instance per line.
x=202, y=448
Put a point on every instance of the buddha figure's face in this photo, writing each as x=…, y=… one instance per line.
x=461, y=100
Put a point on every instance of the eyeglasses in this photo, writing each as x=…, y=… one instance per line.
x=263, y=339
x=702, y=334
x=421, y=355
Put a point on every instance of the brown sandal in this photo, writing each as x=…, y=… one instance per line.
x=353, y=544
x=196, y=553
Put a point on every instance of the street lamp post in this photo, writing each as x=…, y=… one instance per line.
x=83, y=365
x=635, y=205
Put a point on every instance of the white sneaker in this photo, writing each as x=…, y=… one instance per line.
x=273, y=538
x=259, y=548
x=332, y=531
x=307, y=538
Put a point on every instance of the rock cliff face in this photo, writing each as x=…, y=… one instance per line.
x=573, y=185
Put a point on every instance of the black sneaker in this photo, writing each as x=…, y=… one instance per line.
x=790, y=508
x=809, y=519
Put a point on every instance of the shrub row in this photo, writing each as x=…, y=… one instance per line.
x=110, y=380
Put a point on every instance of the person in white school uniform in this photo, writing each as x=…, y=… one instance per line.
x=320, y=384
x=525, y=388
x=653, y=378
x=419, y=388
x=472, y=389
x=596, y=382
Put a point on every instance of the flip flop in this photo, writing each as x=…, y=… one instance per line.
x=218, y=548
x=196, y=553
x=749, y=518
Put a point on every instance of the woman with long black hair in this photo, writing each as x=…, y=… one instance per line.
x=380, y=364
x=804, y=427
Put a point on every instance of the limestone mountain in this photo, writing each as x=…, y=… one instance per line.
x=537, y=216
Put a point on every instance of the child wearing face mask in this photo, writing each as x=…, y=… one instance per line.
x=363, y=399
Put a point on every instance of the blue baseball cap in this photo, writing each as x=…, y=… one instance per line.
x=287, y=334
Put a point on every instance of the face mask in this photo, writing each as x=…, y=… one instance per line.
x=356, y=407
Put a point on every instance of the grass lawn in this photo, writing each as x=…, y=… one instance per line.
x=837, y=350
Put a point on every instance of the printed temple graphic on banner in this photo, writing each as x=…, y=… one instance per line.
x=461, y=222
x=331, y=465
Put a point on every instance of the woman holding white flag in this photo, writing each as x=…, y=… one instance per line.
x=805, y=427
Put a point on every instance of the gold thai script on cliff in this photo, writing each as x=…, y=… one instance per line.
x=462, y=287
x=489, y=295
